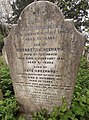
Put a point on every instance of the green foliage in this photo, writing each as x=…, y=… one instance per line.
x=79, y=108
x=80, y=104
x=17, y=8
x=74, y=9
x=8, y=106
x=82, y=84
x=8, y=109
x=77, y=10
x=5, y=79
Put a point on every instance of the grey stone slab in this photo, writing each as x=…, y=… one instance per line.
x=43, y=51
x=4, y=56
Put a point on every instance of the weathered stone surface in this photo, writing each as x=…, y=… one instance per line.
x=43, y=52
x=5, y=55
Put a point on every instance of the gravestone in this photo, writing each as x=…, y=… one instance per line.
x=88, y=55
x=5, y=56
x=43, y=51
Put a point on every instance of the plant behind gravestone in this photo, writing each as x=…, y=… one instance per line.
x=80, y=104
x=5, y=79
x=8, y=106
x=72, y=9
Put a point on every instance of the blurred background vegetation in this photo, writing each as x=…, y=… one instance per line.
x=78, y=10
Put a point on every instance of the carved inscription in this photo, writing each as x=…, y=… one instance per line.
x=44, y=56
x=41, y=70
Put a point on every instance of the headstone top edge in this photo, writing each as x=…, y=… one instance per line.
x=13, y=26
x=43, y=51
x=39, y=2
x=71, y=21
